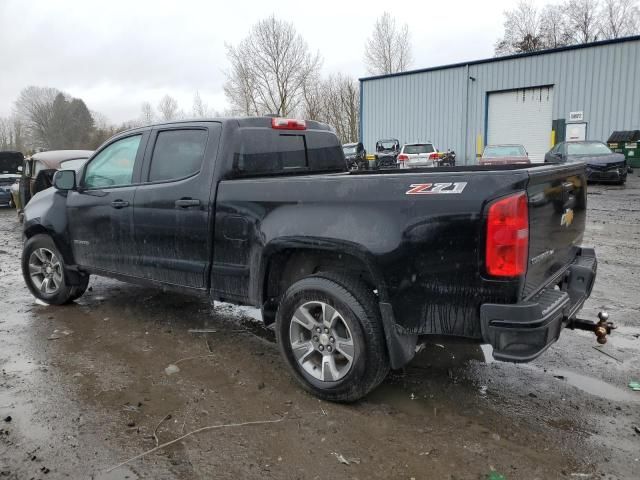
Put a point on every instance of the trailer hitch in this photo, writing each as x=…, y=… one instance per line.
x=602, y=328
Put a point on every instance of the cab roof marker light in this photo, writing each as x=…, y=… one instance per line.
x=280, y=123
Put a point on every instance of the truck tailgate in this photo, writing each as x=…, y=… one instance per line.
x=557, y=215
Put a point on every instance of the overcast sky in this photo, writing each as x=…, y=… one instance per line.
x=117, y=54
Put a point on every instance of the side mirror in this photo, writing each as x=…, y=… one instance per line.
x=64, y=180
x=20, y=168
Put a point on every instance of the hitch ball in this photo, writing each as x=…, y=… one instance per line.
x=602, y=328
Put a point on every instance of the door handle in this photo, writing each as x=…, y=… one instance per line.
x=187, y=202
x=119, y=204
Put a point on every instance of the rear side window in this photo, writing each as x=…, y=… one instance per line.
x=264, y=151
x=177, y=154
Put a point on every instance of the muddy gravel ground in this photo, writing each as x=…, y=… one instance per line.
x=83, y=388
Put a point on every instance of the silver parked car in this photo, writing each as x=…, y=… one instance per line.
x=418, y=155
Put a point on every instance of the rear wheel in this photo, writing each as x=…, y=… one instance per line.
x=330, y=333
x=43, y=272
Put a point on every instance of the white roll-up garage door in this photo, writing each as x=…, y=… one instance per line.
x=522, y=117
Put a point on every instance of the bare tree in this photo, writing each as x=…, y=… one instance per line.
x=269, y=69
x=619, y=18
x=553, y=26
x=34, y=107
x=344, y=96
x=522, y=30
x=336, y=101
x=168, y=108
x=12, y=134
x=314, y=106
x=388, y=50
x=582, y=20
x=6, y=137
x=146, y=113
x=200, y=108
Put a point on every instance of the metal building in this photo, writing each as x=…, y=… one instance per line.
x=535, y=99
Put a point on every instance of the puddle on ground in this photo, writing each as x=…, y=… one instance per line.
x=598, y=388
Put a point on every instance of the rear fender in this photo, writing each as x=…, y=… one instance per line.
x=400, y=347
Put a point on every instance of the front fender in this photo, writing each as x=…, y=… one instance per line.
x=46, y=213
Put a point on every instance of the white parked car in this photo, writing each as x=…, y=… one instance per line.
x=418, y=155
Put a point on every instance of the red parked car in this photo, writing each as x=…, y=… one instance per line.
x=504, y=155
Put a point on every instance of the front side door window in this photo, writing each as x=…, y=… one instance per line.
x=113, y=166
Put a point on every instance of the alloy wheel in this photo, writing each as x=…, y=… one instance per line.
x=321, y=341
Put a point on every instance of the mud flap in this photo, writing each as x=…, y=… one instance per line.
x=401, y=348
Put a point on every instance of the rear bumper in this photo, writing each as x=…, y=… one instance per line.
x=521, y=332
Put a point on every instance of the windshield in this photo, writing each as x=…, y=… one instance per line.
x=589, y=148
x=73, y=164
x=416, y=149
x=351, y=150
x=387, y=145
x=9, y=162
x=498, y=151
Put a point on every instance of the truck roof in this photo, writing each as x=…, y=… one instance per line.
x=242, y=122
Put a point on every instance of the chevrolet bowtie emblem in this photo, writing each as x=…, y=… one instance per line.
x=567, y=218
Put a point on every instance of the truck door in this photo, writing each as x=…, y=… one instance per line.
x=173, y=205
x=100, y=212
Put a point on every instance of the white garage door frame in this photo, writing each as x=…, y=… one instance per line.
x=521, y=116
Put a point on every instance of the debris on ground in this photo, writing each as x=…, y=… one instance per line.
x=634, y=385
x=171, y=369
x=57, y=334
x=599, y=349
x=637, y=429
x=182, y=437
x=493, y=475
x=346, y=461
x=7, y=418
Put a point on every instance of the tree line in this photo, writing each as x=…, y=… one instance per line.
x=569, y=22
x=272, y=71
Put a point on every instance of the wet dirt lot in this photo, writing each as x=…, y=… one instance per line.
x=86, y=389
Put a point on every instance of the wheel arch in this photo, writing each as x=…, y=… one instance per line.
x=72, y=274
x=283, y=263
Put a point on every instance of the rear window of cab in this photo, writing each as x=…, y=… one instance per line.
x=265, y=151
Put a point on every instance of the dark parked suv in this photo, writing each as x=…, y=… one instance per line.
x=351, y=266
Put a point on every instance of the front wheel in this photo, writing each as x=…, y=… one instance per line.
x=330, y=334
x=43, y=272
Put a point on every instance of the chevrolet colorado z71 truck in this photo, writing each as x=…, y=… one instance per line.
x=351, y=266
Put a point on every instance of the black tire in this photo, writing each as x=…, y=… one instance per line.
x=63, y=293
x=358, y=308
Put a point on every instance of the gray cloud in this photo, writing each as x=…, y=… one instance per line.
x=118, y=54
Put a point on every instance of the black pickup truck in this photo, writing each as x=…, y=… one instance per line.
x=351, y=266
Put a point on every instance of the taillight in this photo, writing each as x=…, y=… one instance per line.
x=433, y=156
x=403, y=158
x=507, y=249
x=288, y=124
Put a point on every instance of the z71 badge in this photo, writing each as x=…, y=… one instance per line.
x=435, y=188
